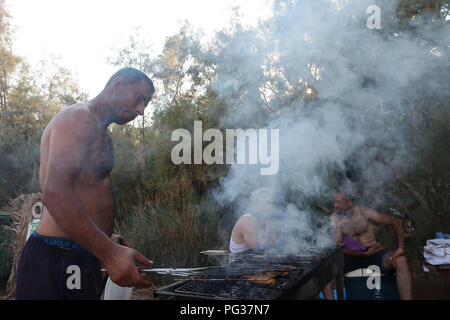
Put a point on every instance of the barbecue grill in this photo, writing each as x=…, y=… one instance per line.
x=296, y=276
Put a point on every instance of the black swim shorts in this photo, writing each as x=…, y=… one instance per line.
x=57, y=269
x=353, y=263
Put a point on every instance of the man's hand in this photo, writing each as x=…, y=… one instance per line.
x=399, y=252
x=121, y=267
x=375, y=249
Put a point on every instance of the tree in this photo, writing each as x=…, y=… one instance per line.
x=8, y=60
x=29, y=99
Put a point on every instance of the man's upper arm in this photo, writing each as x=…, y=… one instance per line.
x=249, y=233
x=375, y=216
x=335, y=230
x=68, y=145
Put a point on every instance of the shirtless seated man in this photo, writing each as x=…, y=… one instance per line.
x=254, y=229
x=63, y=258
x=355, y=223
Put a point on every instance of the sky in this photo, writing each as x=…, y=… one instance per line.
x=82, y=33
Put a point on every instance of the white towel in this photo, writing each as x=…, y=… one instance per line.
x=437, y=251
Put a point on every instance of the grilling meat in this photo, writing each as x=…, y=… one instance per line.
x=265, y=278
x=265, y=282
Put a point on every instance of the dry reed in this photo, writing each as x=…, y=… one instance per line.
x=20, y=211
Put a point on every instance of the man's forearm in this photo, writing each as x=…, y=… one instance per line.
x=73, y=218
x=362, y=254
x=397, y=225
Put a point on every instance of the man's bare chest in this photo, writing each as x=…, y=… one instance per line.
x=99, y=160
x=354, y=226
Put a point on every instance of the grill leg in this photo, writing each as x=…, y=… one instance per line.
x=340, y=285
x=339, y=276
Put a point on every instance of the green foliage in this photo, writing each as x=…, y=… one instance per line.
x=5, y=254
x=29, y=99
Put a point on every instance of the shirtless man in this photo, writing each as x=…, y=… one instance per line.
x=63, y=258
x=254, y=229
x=355, y=223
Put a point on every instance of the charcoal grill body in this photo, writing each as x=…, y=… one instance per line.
x=307, y=276
x=317, y=276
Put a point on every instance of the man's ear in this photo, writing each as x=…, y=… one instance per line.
x=350, y=202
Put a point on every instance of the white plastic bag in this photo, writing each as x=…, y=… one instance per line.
x=116, y=292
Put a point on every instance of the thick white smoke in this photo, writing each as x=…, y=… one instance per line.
x=353, y=86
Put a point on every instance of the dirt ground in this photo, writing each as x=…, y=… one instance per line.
x=426, y=286
x=431, y=286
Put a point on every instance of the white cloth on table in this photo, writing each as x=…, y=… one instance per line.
x=437, y=252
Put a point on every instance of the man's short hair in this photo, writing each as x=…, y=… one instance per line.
x=130, y=76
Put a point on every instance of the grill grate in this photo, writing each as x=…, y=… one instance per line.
x=231, y=290
x=227, y=282
x=235, y=272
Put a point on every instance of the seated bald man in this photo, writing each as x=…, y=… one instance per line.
x=354, y=227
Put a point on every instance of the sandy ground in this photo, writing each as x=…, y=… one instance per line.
x=429, y=286
x=426, y=286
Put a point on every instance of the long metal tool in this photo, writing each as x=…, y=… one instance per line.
x=171, y=270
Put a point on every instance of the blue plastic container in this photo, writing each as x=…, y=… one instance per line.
x=357, y=288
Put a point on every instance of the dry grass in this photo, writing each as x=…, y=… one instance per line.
x=171, y=231
x=20, y=211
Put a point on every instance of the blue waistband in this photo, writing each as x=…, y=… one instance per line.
x=59, y=242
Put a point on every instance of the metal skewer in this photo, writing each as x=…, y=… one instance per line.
x=170, y=270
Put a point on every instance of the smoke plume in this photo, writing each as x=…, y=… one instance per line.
x=342, y=96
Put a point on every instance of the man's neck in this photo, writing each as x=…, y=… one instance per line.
x=346, y=213
x=100, y=109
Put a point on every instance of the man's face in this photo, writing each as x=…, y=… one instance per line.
x=130, y=100
x=341, y=203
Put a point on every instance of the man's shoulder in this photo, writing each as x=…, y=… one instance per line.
x=358, y=209
x=335, y=219
x=75, y=117
x=246, y=221
x=363, y=211
x=74, y=123
x=246, y=217
x=73, y=112
x=334, y=216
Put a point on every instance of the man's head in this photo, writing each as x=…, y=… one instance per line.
x=262, y=203
x=342, y=202
x=129, y=91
